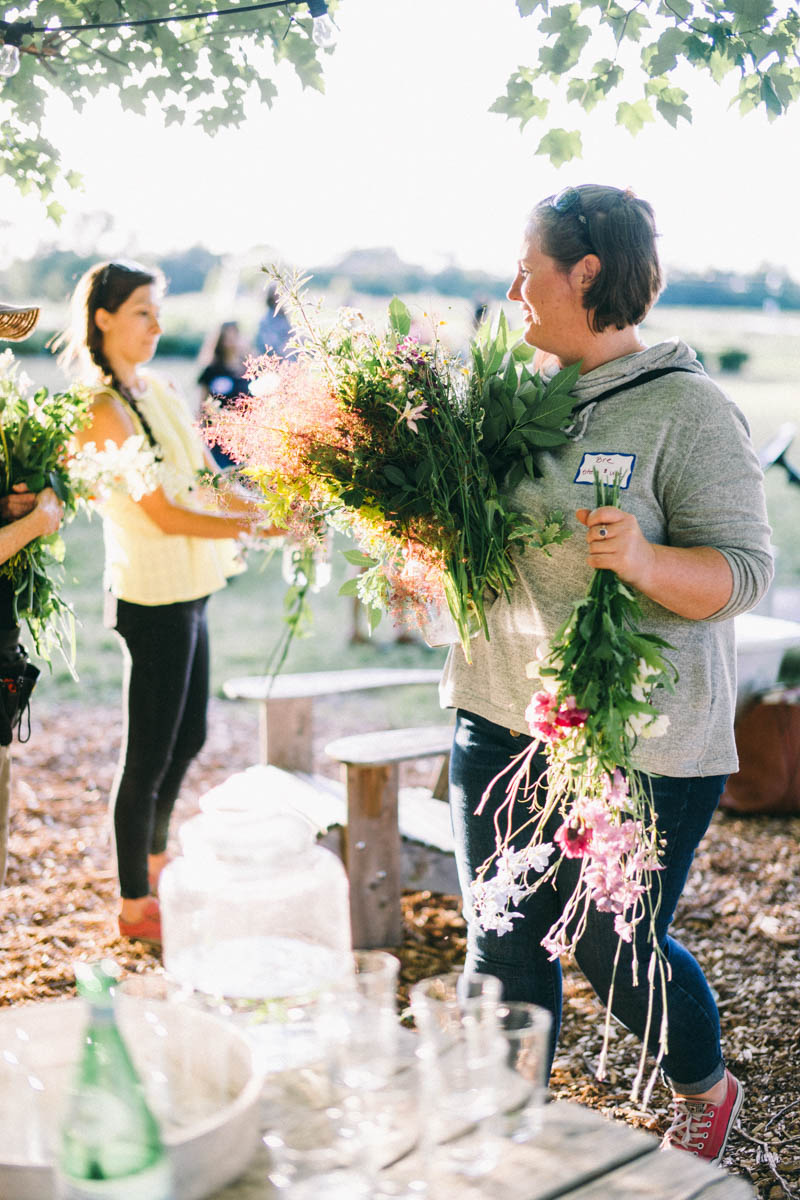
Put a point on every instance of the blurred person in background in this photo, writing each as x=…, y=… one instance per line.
x=24, y=516
x=274, y=328
x=223, y=377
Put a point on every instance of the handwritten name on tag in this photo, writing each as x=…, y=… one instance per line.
x=607, y=463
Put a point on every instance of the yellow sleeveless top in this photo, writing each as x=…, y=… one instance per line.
x=144, y=565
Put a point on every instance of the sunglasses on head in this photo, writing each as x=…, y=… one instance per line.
x=569, y=201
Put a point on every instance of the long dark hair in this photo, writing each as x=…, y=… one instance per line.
x=106, y=285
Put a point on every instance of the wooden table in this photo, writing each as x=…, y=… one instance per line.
x=579, y=1155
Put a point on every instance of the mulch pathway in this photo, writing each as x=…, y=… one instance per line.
x=740, y=916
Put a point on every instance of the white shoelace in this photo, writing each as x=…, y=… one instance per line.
x=690, y=1118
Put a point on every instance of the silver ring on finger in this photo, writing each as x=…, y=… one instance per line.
x=602, y=531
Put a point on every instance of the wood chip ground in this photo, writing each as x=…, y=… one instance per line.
x=740, y=916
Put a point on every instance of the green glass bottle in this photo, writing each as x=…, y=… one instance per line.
x=111, y=1148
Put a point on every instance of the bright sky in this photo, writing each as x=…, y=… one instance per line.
x=402, y=151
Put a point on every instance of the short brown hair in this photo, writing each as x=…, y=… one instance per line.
x=620, y=229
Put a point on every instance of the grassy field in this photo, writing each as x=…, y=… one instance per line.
x=246, y=618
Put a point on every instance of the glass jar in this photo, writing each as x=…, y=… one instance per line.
x=254, y=911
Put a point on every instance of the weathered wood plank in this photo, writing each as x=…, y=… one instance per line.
x=575, y=1145
x=326, y=683
x=285, y=729
x=579, y=1155
x=286, y=704
x=392, y=745
x=372, y=856
x=666, y=1175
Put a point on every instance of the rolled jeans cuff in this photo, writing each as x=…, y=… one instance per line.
x=699, y=1086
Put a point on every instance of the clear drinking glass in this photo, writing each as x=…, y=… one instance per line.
x=371, y=1057
x=313, y=1137
x=376, y=974
x=438, y=1003
x=525, y=1032
x=462, y=1080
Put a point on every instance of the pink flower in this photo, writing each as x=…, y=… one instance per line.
x=541, y=715
x=410, y=414
x=410, y=349
x=574, y=840
x=616, y=790
x=570, y=717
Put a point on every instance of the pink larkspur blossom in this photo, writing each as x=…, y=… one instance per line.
x=616, y=790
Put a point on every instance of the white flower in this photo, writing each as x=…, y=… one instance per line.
x=130, y=467
x=265, y=384
x=539, y=856
x=646, y=726
x=657, y=727
x=12, y=375
x=549, y=663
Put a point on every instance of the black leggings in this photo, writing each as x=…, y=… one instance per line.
x=165, y=696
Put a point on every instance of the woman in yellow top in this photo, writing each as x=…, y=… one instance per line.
x=164, y=556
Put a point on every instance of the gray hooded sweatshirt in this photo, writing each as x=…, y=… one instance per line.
x=690, y=476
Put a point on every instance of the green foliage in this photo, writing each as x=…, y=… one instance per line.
x=732, y=360
x=35, y=429
x=196, y=71
x=757, y=39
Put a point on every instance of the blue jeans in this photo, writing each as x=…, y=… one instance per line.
x=684, y=807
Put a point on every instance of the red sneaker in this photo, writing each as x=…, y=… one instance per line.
x=703, y=1128
x=147, y=929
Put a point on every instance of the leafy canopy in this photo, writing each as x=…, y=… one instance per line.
x=635, y=54
x=197, y=71
x=584, y=51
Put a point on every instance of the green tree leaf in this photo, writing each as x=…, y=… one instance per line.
x=561, y=146
x=634, y=117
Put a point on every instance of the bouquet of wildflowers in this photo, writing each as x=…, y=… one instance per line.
x=406, y=449
x=131, y=467
x=595, y=701
x=35, y=429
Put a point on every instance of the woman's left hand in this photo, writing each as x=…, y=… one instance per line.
x=616, y=543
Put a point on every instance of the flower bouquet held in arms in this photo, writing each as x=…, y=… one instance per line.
x=35, y=429
x=595, y=701
x=403, y=447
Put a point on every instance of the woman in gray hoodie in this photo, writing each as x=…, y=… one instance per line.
x=693, y=540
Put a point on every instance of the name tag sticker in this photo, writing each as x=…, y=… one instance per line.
x=607, y=463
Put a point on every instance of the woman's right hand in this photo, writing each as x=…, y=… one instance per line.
x=48, y=511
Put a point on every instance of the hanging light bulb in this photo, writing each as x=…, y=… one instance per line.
x=323, y=30
x=12, y=33
x=9, y=60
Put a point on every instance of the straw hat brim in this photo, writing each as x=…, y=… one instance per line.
x=17, y=322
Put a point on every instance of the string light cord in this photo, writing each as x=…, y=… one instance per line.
x=14, y=31
x=323, y=30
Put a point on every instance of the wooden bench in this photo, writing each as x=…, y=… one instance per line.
x=371, y=838
x=287, y=704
